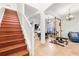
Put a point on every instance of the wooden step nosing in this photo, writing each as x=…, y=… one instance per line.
x=10, y=48
x=11, y=35
x=20, y=53
x=10, y=41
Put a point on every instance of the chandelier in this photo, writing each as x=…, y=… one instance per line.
x=69, y=16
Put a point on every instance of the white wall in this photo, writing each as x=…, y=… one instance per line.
x=68, y=26
x=72, y=25
x=2, y=10
x=29, y=10
x=9, y=5
x=35, y=19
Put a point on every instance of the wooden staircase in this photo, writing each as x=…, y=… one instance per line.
x=12, y=42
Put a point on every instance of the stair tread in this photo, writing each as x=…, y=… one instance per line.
x=10, y=38
x=5, y=27
x=11, y=47
x=12, y=35
x=10, y=29
x=10, y=16
x=11, y=26
x=9, y=41
x=10, y=23
x=10, y=32
x=10, y=19
x=20, y=53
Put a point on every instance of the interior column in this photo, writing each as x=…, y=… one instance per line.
x=42, y=27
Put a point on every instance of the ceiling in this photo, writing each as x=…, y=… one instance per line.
x=29, y=10
x=59, y=9
x=53, y=9
x=40, y=6
x=32, y=9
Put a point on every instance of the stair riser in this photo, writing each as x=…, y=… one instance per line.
x=10, y=12
x=10, y=38
x=26, y=54
x=9, y=21
x=12, y=35
x=9, y=30
x=9, y=33
x=10, y=17
x=13, y=12
x=10, y=25
x=12, y=51
x=10, y=43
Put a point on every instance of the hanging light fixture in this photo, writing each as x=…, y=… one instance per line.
x=69, y=16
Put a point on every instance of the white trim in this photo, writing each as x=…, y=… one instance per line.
x=27, y=30
x=2, y=10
